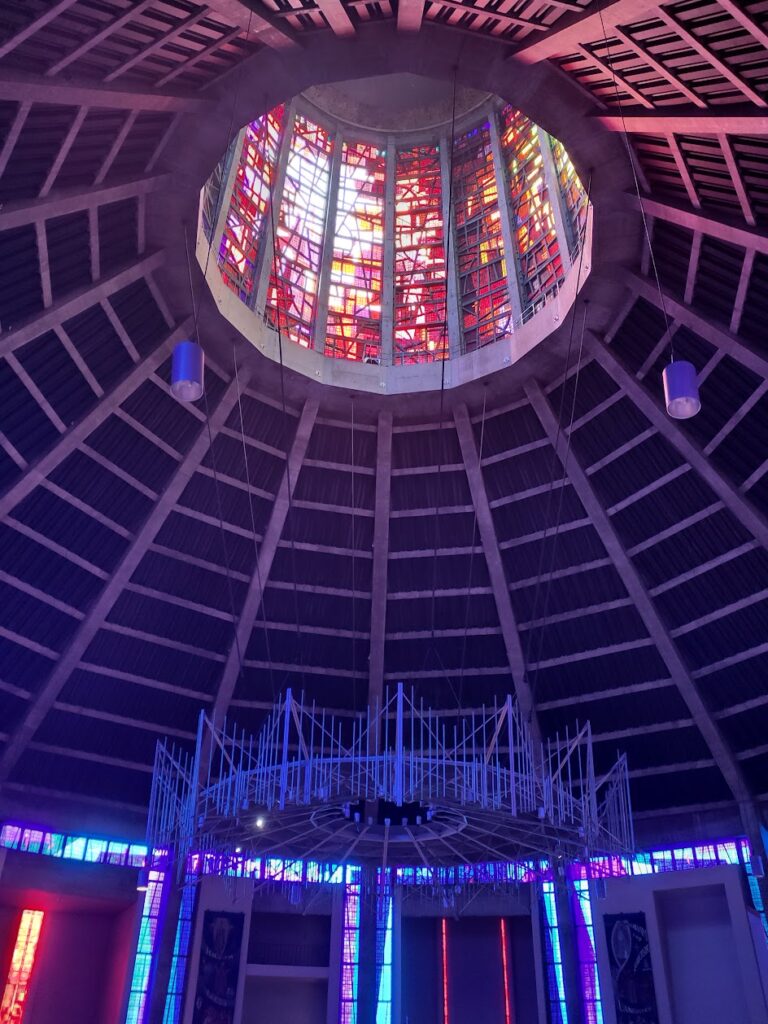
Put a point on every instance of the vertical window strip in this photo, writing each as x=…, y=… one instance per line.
x=353, y=330
x=350, y=950
x=420, y=258
x=444, y=963
x=212, y=197
x=16, y=990
x=553, y=959
x=249, y=203
x=300, y=229
x=480, y=256
x=509, y=1017
x=540, y=263
x=174, y=1000
x=573, y=192
x=146, y=948
x=384, y=958
x=585, y=949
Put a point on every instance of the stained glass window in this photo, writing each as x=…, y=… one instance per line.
x=301, y=224
x=350, y=953
x=212, y=196
x=384, y=911
x=585, y=949
x=553, y=956
x=420, y=276
x=573, y=192
x=353, y=330
x=175, y=996
x=16, y=990
x=145, y=949
x=484, y=296
x=249, y=203
x=509, y=1016
x=540, y=263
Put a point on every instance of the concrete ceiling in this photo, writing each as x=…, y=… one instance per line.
x=570, y=539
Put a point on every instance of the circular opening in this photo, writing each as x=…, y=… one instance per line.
x=368, y=256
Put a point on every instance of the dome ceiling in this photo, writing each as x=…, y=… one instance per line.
x=555, y=534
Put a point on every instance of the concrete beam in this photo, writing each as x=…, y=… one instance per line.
x=722, y=339
x=723, y=756
x=495, y=565
x=573, y=30
x=266, y=557
x=77, y=302
x=687, y=122
x=68, y=661
x=696, y=220
x=735, y=502
x=34, y=89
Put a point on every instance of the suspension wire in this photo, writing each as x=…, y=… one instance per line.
x=542, y=628
x=216, y=486
x=257, y=567
x=445, y=343
x=636, y=178
x=560, y=419
x=289, y=483
x=354, y=552
x=471, y=559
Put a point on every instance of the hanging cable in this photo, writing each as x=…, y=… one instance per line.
x=257, y=567
x=636, y=179
x=560, y=420
x=289, y=482
x=471, y=559
x=444, y=345
x=216, y=487
x=543, y=626
x=354, y=550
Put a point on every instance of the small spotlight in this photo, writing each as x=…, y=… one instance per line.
x=142, y=882
x=260, y=823
x=238, y=849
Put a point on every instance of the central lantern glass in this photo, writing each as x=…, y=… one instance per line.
x=396, y=250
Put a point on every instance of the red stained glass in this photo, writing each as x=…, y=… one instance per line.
x=249, y=203
x=420, y=277
x=300, y=228
x=484, y=297
x=353, y=330
x=16, y=990
x=540, y=263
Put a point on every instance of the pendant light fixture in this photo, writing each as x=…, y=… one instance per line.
x=187, y=371
x=681, y=389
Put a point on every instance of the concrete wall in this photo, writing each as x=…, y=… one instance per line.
x=702, y=949
x=282, y=1000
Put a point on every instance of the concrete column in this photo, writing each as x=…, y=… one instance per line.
x=266, y=255
x=326, y=259
x=388, y=259
x=511, y=259
x=563, y=226
x=453, y=310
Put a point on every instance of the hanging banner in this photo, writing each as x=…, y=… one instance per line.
x=219, y=968
x=631, y=970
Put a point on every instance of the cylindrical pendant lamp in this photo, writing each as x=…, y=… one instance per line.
x=187, y=370
x=681, y=390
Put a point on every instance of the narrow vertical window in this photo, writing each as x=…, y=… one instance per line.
x=146, y=947
x=249, y=203
x=353, y=330
x=480, y=253
x=553, y=957
x=574, y=193
x=350, y=952
x=300, y=227
x=585, y=947
x=16, y=990
x=509, y=1017
x=444, y=962
x=540, y=263
x=420, y=254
